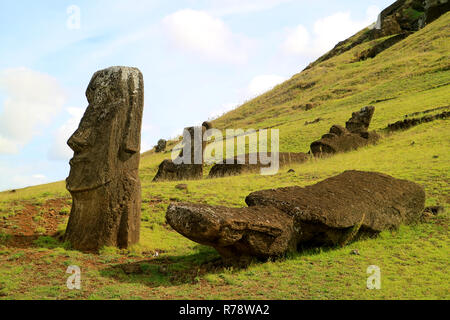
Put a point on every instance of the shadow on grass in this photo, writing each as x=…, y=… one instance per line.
x=33, y=241
x=168, y=270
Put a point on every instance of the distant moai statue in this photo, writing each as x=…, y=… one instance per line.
x=188, y=165
x=195, y=145
x=103, y=180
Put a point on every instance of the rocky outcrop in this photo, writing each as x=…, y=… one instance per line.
x=402, y=17
x=233, y=168
x=104, y=180
x=412, y=122
x=383, y=45
x=333, y=212
x=355, y=135
x=161, y=146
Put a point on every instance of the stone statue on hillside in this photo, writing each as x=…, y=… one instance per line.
x=354, y=136
x=189, y=164
x=161, y=146
x=333, y=212
x=104, y=181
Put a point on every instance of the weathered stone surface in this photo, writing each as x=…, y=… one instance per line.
x=402, y=17
x=354, y=136
x=169, y=171
x=332, y=212
x=380, y=47
x=103, y=180
x=238, y=234
x=208, y=125
x=192, y=168
x=327, y=212
x=161, y=146
x=193, y=136
x=234, y=169
x=331, y=144
x=360, y=121
x=412, y=122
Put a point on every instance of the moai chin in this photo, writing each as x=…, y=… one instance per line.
x=103, y=180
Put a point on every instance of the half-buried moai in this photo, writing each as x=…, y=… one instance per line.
x=189, y=164
x=103, y=180
x=355, y=135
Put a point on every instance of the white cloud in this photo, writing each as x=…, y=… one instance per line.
x=14, y=177
x=39, y=176
x=59, y=149
x=263, y=83
x=226, y=7
x=327, y=32
x=224, y=108
x=201, y=33
x=297, y=40
x=257, y=86
x=32, y=100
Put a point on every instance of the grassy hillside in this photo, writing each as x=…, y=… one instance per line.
x=411, y=76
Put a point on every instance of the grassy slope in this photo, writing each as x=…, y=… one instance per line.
x=413, y=260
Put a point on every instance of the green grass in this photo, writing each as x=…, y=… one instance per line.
x=409, y=77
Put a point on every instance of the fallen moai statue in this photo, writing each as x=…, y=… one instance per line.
x=332, y=212
x=234, y=168
x=355, y=135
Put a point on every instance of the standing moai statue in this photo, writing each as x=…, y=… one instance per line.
x=193, y=140
x=189, y=163
x=103, y=180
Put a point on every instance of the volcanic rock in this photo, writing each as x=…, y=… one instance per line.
x=352, y=137
x=104, y=180
x=238, y=234
x=333, y=212
x=326, y=212
x=161, y=146
x=233, y=168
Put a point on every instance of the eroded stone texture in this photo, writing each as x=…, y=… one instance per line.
x=238, y=234
x=325, y=212
x=169, y=171
x=355, y=135
x=161, y=146
x=103, y=180
x=360, y=121
x=192, y=167
x=332, y=212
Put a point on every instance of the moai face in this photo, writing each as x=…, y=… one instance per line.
x=107, y=142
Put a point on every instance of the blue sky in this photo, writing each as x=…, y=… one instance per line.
x=199, y=58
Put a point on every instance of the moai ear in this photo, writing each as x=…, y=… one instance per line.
x=132, y=134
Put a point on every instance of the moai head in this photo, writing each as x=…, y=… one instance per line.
x=107, y=141
x=360, y=121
